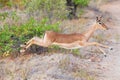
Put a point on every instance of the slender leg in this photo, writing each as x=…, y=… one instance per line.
x=37, y=41
x=27, y=43
x=98, y=45
x=34, y=38
x=102, y=51
x=95, y=44
x=30, y=40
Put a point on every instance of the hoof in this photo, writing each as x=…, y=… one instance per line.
x=105, y=55
x=22, y=50
x=22, y=45
x=25, y=43
x=111, y=48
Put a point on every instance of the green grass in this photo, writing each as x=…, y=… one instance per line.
x=12, y=36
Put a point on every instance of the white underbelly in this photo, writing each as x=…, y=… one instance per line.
x=68, y=45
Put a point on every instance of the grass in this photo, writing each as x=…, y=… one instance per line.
x=117, y=37
x=9, y=73
x=100, y=37
x=83, y=74
x=12, y=36
x=76, y=52
x=64, y=63
x=24, y=74
x=75, y=70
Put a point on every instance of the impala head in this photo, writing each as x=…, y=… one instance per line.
x=100, y=24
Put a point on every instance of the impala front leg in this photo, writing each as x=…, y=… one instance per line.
x=38, y=41
x=96, y=44
x=102, y=51
x=99, y=45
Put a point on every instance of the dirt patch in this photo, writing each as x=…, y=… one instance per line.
x=52, y=67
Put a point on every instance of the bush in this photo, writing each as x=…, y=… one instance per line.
x=12, y=37
x=82, y=3
x=48, y=8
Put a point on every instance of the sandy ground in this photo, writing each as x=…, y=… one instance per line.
x=112, y=62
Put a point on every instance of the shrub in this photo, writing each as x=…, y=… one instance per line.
x=82, y=3
x=48, y=8
x=12, y=37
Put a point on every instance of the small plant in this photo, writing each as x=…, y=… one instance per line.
x=3, y=15
x=100, y=37
x=73, y=5
x=47, y=8
x=64, y=63
x=81, y=2
x=76, y=51
x=83, y=74
x=117, y=37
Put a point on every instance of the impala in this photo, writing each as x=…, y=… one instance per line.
x=69, y=41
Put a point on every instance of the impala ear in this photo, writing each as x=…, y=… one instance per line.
x=97, y=19
x=101, y=17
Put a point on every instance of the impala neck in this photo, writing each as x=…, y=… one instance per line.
x=90, y=32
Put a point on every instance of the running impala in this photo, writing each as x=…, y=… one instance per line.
x=69, y=41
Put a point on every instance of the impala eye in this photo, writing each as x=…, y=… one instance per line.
x=100, y=23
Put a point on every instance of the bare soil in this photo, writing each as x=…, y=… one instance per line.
x=111, y=63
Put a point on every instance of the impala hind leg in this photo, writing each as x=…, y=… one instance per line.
x=27, y=43
x=37, y=41
x=30, y=41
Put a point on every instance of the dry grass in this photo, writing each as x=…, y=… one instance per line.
x=64, y=63
x=117, y=37
x=73, y=26
x=75, y=70
x=83, y=74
